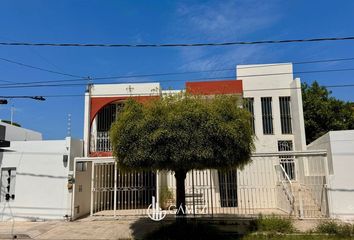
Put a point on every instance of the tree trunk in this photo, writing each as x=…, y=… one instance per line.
x=180, y=176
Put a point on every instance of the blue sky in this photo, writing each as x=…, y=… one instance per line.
x=160, y=22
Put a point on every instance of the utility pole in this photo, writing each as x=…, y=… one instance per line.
x=69, y=125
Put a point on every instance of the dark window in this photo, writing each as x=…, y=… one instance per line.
x=267, y=117
x=248, y=104
x=105, y=117
x=81, y=166
x=228, y=188
x=287, y=161
x=285, y=115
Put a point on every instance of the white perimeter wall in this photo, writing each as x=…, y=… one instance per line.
x=340, y=148
x=41, y=190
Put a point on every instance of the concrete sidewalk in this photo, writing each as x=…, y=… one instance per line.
x=96, y=228
x=108, y=229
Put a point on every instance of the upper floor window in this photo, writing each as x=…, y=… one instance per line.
x=248, y=104
x=105, y=118
x=267, y=116
x=285, y=115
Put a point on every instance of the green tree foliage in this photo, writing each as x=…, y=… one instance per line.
x=180, y=133
x=323, y=113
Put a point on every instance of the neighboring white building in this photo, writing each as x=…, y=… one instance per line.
x=36, y=175
x=340, y=185
x=13, y=133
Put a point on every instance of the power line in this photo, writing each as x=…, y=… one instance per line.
x=154, y=93
x=31, y=85
x=39, y=68
x=175, y=44
x=84, y=84
x=173, y=73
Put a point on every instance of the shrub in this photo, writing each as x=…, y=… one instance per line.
x=166, y=196
x=332, y=227
x=273, y=224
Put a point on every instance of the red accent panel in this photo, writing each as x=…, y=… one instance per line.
x=101, y=154
x=98, y=103
x=215, y=87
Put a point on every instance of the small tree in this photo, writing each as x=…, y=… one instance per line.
x=181, y=133
x=323, y=113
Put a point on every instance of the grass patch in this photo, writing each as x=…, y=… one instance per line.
x=294, y=237
x=338, y=229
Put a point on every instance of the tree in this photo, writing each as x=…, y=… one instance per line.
x=323, y=113
x=181, y=133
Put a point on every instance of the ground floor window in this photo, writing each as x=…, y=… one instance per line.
x=228, y=188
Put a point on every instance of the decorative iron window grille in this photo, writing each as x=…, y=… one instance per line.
x=287, y=161
x=285, y=115
x=248, y=104
x=105, y=118
x=267, y=116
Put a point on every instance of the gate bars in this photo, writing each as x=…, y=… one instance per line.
x=262, y=187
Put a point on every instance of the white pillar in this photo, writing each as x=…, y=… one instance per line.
x=92, y=183
x=157, y=190
x=115, y=189
x=87, y=122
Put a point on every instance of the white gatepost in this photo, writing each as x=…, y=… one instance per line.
x=92, y=183
x=115, y=189
x=327, y=185
x=157, y=190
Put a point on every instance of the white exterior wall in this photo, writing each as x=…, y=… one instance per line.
x=340, y=149
x=41, y=190
x=112, y=90
x=125, y=89
x=271, y=80
x=14, y=133
x=272, y=85
x=82, y=192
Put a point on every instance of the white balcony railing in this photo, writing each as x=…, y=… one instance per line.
x=101, y=142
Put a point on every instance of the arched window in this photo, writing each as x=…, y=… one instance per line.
x=101, y=125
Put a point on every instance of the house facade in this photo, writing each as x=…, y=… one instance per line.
x=269, y=184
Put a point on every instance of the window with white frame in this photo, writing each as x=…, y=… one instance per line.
x=267, y=115
x=285, y=115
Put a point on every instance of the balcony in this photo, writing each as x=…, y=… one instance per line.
x=100, y=142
